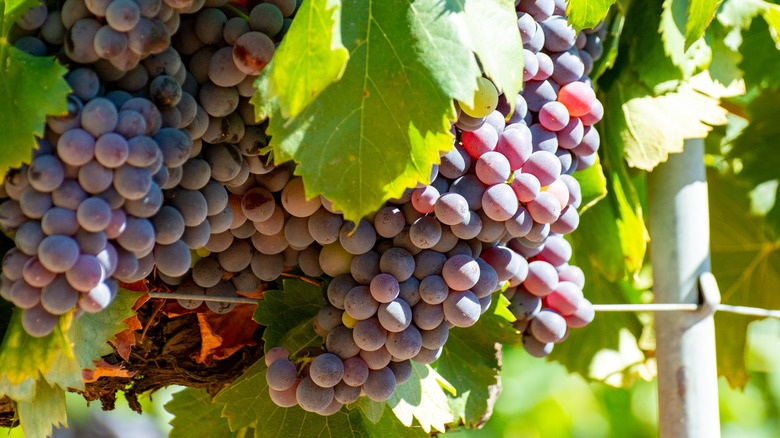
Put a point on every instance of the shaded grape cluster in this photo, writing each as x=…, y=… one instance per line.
x=157, y=150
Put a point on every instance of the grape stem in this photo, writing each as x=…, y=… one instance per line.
x=236, y=11
x=308, y=280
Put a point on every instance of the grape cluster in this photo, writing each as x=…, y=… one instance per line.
x=492, y=218
x=157, y=151
x=156, y=170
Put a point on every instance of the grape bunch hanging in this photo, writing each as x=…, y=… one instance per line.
x=158, y=158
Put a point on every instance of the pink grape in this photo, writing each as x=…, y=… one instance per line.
x=578, y=98
x=554, y=116
x=480, y=141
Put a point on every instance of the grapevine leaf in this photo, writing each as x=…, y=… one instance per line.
x=593, y=185
x=673, y=34
x=288, y=315
x=746, y=262
x=756, y=145
x=772, y=16
x=700, y=14
x=247, y=404
x=377, y=131
x=22, y=355
x=724, y=68
x=30, y=88
x=12, y=10
x=47, y=408
x=739, y=13
x=493, y=37
x=470, y=362
x=88, y=337
x=197, y=416
x=310, y=58
x=371, y=409
x=422, y=398
x=652, y=127
x=61, y=355
x=584, y=14
x=22, y=391
x=244, y=400
x=642, y=52
x=760, y=60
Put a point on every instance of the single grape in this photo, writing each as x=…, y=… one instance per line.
x=357, y=240
x=355, y=371
x=480, y=140
x=281, y=375
x=534, y=347
x=347, y=394
x=485, y=99
x=59, y=297
x=369, y=334
x=397, y=262
x=312, y=397
x=38, y=322
x=286, y=398
x=436, y=337
x=341, y=343
x=462, y=309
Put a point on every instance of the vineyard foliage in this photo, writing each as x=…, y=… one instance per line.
x=360, y=97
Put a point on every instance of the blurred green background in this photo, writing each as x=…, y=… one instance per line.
x=539, y=399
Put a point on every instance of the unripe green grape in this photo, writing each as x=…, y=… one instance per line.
x=485, y=99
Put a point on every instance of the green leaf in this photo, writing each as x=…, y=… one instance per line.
x=310, y=57
x=22, y=391
x=61, y=356
x=246, y=399
x=725, y=60
x=422, y=398
x=593, y=185
x=756, y=145
x=584, y=14
x=739, y=13
x=24, y=356
x=641, y=51
x=197, y=416
x=47, y=408
x=760, y=60
x=30, y=88
x=377, y=131
x=88, y=336
x=772, y=16
x=247, y=404
x=11, y=11
x=700, y=14
x=470, y=362
x=687, y=57
x=492, y=35
x=746, y=261
x=288, y=315
x=656, y=126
